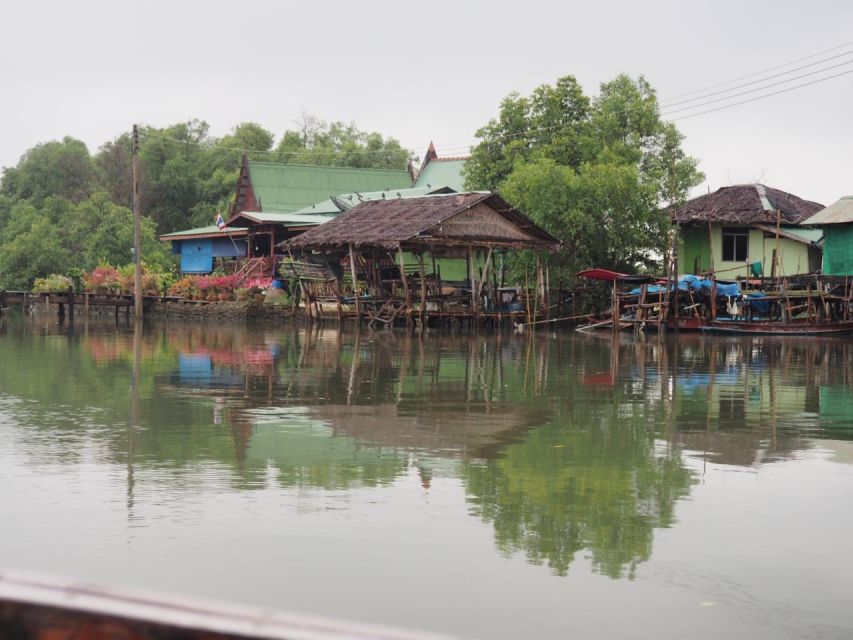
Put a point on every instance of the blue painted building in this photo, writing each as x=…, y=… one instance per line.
x=199, y=247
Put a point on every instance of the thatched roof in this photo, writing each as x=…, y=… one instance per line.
x=478, y=219
x=746, y=204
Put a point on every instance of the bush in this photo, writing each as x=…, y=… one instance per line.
x=54, y=283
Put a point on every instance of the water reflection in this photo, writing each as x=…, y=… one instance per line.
x=567, y=446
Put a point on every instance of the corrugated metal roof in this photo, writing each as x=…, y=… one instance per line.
x=329, y=207
x=798, y=234
x=287, y=219
x=204, y=232
x=285, y=188
x=840, y=212
x=442, y=172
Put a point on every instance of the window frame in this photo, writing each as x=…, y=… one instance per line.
x=732, y=236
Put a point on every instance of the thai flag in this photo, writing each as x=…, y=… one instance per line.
x=219, y=221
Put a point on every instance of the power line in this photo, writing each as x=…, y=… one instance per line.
x=762, y=88
x=775, y=75
x=758, y=73
x=774, y=93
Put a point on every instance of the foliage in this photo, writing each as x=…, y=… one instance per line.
x=317, y=142
x=103, y=277
x=595, y=172
x=52, y=284
x=62, y=208
x=62, y=169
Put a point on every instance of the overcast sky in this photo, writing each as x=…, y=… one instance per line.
x=422, y=71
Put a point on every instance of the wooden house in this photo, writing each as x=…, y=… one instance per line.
x=370, y=243
x=836, y=223
x=747, y=230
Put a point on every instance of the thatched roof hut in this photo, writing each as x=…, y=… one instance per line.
x=745, y=204
x=463, y=219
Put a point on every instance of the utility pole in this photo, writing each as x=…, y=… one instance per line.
x=137, y=229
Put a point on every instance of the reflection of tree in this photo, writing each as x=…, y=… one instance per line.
x=597, y=485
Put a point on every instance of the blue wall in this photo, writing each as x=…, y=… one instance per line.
x=197, y=255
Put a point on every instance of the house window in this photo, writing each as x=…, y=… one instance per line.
x=735, y=244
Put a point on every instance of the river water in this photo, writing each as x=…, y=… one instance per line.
x=489, y=486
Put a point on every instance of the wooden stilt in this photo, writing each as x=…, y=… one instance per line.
x=354, y=284
x=423, y=288
x=406, y=288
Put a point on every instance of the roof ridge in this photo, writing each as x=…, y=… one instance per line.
x=324, y=166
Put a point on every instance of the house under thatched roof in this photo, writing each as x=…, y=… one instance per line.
x=464, y=219
x=746, y=204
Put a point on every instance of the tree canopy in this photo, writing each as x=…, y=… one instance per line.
x=596, y=171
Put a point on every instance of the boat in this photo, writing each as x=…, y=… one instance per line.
x=795, y=327
x=44, y=607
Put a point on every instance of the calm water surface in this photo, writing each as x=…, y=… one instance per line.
x=495, y=486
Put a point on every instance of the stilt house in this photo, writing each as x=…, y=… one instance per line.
x=836, y=222
x=747, y=230
x=392, y=252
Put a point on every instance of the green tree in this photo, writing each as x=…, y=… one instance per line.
x=63, y=169
x=595, y=172
x=30, y=247
x=338, y=144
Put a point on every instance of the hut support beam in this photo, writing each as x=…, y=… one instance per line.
x=406, y=289
x=354, y=284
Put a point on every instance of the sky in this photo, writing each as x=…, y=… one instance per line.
x=421, y=71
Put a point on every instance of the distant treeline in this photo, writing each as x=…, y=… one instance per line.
x=63, y=209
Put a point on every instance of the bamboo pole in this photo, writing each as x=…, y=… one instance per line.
x=405, y=280
x=423, y=287
x=354, y=284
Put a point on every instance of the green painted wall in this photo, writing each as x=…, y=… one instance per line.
x=694, y=249
x=794, y=256
x=838, y=250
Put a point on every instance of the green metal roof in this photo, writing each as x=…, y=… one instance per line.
x=327, y=206
x=840, y=212
x=285, y=188
x=808, y=235
x=443, y=172
x=204, y=232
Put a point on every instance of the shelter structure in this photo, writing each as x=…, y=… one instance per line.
x=199, y=248
x=836, y=222
x=381, y=260
x=747, y=230
x=268, y=196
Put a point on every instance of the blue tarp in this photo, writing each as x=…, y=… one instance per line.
x=695, y=283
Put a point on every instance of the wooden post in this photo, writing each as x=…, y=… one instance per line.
x=547, y=291
x=354, y=284
x=137, y=228
x=71, y=303
x=777, y=257
x=405, y=280
x=471, y=271
x=423, y=288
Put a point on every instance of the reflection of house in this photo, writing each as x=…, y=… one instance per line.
x=837, y=225
x=199, y=248
x=735, y=227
